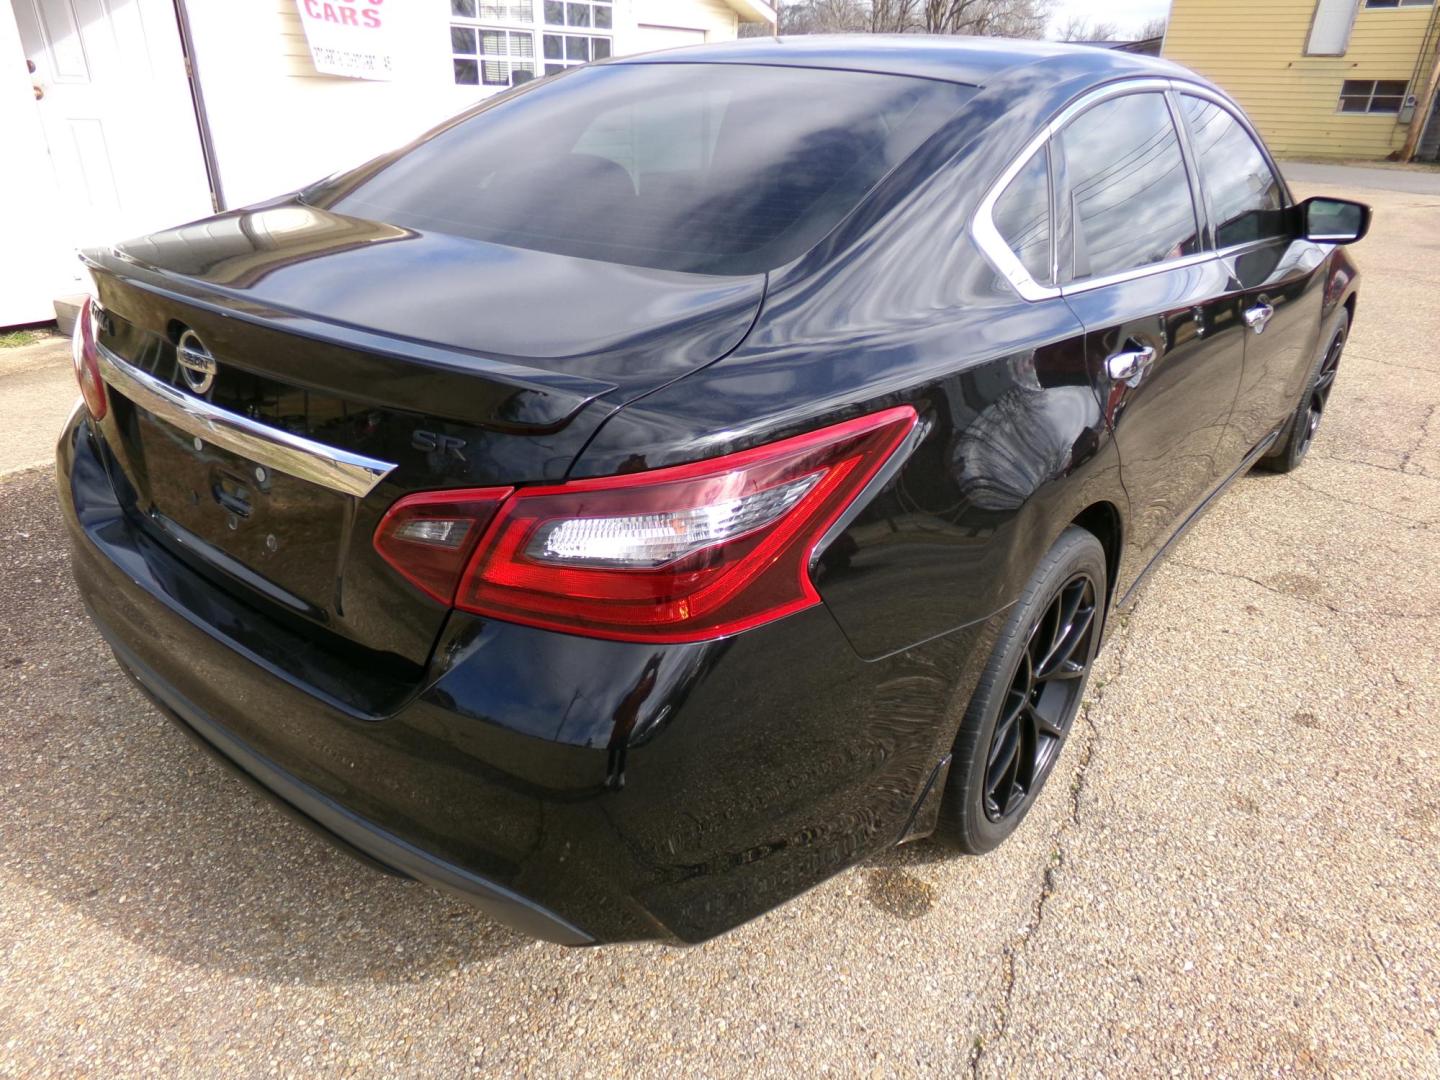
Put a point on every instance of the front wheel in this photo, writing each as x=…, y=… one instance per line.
x=1027, y=698
x=1294, y=442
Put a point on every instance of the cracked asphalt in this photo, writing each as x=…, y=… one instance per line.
x=1234, y=870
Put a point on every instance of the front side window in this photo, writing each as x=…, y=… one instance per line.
x=1022, y=217
x=672, y=166
x=1246, y=198
x=1373, y=95
x=1128, y=187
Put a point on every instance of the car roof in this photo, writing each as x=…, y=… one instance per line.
x=973, y=61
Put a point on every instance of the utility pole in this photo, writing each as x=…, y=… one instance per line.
x=1424, y=103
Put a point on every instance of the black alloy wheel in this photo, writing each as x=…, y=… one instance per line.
x=1041, y=702
x=1320, y=389
x=1294, y=442
x=1025, y=704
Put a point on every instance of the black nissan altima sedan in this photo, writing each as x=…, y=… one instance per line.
x=671, y=482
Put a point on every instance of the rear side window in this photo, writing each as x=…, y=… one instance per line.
x=1246, y=198
x=713, y=168
x=1129, y=191
x=1022, y=217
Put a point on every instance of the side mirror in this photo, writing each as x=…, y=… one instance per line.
x=1332, y=221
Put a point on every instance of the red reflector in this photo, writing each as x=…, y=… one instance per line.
x=429, y=537
x=86, y=358
x=678, y=554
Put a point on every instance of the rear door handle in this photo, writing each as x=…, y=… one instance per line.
x=1257, y=316
x=1131, y=365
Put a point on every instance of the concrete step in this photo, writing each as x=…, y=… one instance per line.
x=66, y=308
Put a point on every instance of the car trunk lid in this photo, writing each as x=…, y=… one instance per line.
x=416, y=361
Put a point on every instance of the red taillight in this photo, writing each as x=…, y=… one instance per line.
x=686, y=553
x=430, y=537
x=87, y=361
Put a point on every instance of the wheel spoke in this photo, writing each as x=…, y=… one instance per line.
x=1034, y=652
x=1043, y=725
x=1066, y=669
x=1005, y=728
x=1065, y=606
x=1071, y=600
x=1061, y=662
x=1000, y=775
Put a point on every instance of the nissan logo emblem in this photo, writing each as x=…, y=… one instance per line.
x=197, y=366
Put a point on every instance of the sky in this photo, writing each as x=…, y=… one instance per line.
x=1127, y=15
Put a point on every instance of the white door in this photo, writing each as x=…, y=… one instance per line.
x=652, y=38
x=30, y=262
x=117, y=118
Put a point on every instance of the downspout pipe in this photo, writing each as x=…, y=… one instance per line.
x=197, y=97
x=1425, y=102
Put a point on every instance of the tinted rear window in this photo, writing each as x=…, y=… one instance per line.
x=713, y=168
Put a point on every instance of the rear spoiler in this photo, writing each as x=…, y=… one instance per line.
x=404, y=373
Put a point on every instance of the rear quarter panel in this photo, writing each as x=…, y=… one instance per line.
x=898, y=306
x=905, y=310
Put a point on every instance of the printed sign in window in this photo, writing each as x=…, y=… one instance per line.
x=350, y=37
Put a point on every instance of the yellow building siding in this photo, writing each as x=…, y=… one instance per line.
x=1293, y=98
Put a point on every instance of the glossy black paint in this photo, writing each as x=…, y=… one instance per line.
x=1169, y=428
x=636, y=791
x=631, y=790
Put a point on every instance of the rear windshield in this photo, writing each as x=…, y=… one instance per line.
x=710, y=168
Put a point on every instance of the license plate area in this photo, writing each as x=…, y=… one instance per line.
x=274, y=531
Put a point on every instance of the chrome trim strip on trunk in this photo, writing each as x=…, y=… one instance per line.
x=339, y=470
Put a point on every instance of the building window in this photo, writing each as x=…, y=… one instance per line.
x=1330, y=28
x=491, y=43
x=1372, y=95
x=1397, y=3
x=579, y=44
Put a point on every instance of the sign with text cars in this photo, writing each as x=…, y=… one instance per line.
x=350, y=37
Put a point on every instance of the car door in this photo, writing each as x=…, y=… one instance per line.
x=1275, y=276
x=1164, y=337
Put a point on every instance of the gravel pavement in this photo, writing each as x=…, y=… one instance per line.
x=37, y=389
x=1235, y=869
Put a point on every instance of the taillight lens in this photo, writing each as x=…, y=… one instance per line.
x=86, y=358
x=679, y=554
x=430, y=537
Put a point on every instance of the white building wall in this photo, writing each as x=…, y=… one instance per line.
x=649, y=18
x=276, y=124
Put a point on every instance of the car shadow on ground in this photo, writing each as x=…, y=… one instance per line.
x=109, y=809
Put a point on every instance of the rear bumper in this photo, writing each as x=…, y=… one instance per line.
x=334, y=823
x=578, y=790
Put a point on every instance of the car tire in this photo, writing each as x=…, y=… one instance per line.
x=1028, y=696
x=1299, y=432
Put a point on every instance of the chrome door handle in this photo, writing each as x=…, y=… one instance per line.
x=1257, y=316
x=1131, y=365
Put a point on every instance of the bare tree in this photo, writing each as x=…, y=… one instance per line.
x=894, y=16
x=1080, y=28
x=1007, y=18
x=1152, y=29
x=823, y=17
x=998, y=18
